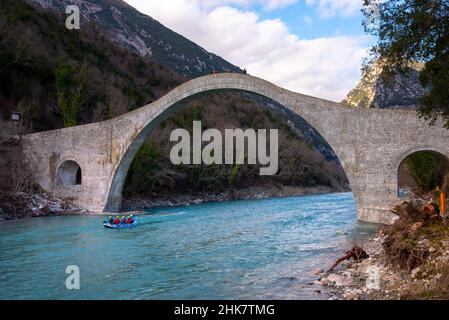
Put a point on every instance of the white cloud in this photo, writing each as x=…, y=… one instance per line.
x=331, y=8
x=267, y=4
x=325, y=8
x=327, y=67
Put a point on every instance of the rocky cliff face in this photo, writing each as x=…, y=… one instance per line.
x=402, y=91
x=145, y=36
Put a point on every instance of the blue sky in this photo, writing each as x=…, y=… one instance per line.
x=306, y=21
x=314, y=47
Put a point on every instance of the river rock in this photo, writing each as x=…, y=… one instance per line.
x=416, y=226
x=445, y=243
x=351, y=295
x=424, y=243
x=414, y=272
x=337, y=280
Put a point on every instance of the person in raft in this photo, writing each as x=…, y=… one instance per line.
x=123, y=220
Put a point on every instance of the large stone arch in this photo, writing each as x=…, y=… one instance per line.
x=301, y=105
x=370, y=143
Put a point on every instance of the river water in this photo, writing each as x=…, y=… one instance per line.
x=256, y=249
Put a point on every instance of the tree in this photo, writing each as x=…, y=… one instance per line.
x=143, y=173
x=69, y=90
x=414, y=31
x=428, y=169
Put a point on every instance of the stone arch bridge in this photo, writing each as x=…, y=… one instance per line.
x=370, y=144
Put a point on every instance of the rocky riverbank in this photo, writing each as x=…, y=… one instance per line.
x=359, y=280
x=408, y=260
x=22, y=205
x=255, y=192
x=25, y=205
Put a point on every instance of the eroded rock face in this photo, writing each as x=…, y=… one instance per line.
x=403, y=91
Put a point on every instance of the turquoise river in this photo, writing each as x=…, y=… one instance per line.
x=256, y=249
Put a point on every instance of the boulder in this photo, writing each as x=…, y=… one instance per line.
x=414, y=227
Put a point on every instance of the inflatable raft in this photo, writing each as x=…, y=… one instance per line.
x=119, y=226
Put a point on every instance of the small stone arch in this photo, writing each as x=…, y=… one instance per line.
x=410, y=152
x=69, y=174
x=415, y=149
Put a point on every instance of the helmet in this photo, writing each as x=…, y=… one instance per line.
x=123, y=217
x=131, y=215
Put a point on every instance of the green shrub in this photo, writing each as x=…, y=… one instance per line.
x=428, y=169
x=142, y=173
x=69, y=89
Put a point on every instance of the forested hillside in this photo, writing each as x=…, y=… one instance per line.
x=57, y=77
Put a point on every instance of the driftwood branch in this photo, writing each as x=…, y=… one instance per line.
x=355, y=253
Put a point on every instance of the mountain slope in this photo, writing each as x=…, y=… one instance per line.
x=402, y=91
x=146, y=36
x=43, y=65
